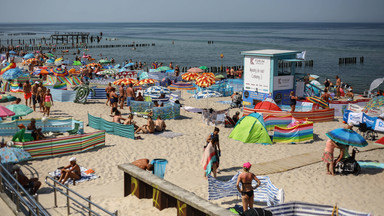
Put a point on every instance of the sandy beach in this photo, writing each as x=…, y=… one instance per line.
x=308, y=183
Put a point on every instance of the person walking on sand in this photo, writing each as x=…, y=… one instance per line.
x=71, y=171
x=338, y=86
x=114, y=99
x=40, y=96
x=293, y=99
x=48, y=102
x=27, y=93
x=35, y=95
x=122, y=95
x=246, y=190
x=210, y=159
x=210, y=137
x=107, y=91
x=330, y=146
x=130, y=96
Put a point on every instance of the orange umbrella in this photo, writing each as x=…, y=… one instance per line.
x=205, y=81
x=189, y=76
x=125, y=81
x=73, y=71
x=94, y=64
x=146, y=81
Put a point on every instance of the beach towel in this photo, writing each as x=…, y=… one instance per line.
x=86, y=175
x=209, y=157
x=224, y=102
x=374, y=165
x=220, y=189
x=168, y=134
x=192, y=109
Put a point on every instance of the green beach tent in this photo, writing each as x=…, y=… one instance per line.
x=251, y=129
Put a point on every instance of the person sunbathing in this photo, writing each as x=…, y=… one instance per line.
x=160, y=124
x=71, y=171
x=32, y=184
x=148, y=128
x=143, y=164
x=130, y=121
x=139, y=97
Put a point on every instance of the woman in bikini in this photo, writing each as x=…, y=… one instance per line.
x=114, y=99
x=48, y=102
x=247, y=189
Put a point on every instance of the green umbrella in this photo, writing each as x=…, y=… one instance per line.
x=163, y=68
x=203, y=67
x=20, y=109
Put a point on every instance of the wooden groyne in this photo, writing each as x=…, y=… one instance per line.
x=350, y=60
x=307, y=63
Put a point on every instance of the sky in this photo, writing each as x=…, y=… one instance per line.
x=43, y=11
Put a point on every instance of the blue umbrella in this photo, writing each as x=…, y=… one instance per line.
x=129, y=64
x=13, y=155
x=123, y=69
x=28, y=56
x=12, y=73
x=347, y=137
x=117, y=66
x=12, y=52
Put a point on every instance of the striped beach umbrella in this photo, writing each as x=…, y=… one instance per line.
x=59, y=71
x=195, y=70
x=189, y=76
x=205, y=81
x=318, y=100
x=74, y=71
x=125, y=81
x=182, y=86
x=146, y=82
x=209, y=74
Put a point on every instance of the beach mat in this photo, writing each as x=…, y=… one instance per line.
x=192, y=109
x=85, y=176
x=168, y=134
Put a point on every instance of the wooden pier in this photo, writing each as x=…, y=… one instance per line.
x=70, y=37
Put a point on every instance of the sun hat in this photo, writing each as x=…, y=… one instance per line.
x=247, y=165
x=72, y=159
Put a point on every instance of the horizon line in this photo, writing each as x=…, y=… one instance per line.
x=318, y=22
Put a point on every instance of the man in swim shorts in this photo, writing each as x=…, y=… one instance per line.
x=27, y=93
x=35, y=95
x=130, y=96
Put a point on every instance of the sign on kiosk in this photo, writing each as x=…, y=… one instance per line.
x=282, y=82
x=257, y=73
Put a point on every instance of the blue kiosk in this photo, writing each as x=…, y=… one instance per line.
x=264, y=78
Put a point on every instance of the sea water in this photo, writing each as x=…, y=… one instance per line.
x=186, y=44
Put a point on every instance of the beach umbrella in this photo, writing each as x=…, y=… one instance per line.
x=5, y=112
x=195, y=70
x=49, y=55
x=31, y=60
x=20, y=109
x=220, y=76
x=209, y=74
x=94, y=65
x=347, y=137
x=318, y=100
x=376, y=83
x=203, y=67
x=59, y=71
x=266, y=105
x=12, y=73
x=163, y=68
x=205, y=81
x=189, y=76
x=125, y=81
x=76, y=63
x=182, y=86
x=146, y=82
x=73, y=71
x=375, y=102
x=28, y=56
x=39, y=71
x=13, y=155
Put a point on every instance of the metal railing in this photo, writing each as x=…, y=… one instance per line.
x=10, y=184
x=69, y=197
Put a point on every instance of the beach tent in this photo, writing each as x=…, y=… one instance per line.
x=267, y=105
x=251, y=129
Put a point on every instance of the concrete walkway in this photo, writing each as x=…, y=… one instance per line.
x=297, y=161
x=5, y=209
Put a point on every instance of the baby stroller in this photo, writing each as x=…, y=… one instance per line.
x=348, y=165
x=236, y=101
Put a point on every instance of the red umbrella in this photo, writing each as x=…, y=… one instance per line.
x=205, y=81
x=189, y=76
x=126, y=81
x=266, y=105
x=146, y=81
x=5, y=112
